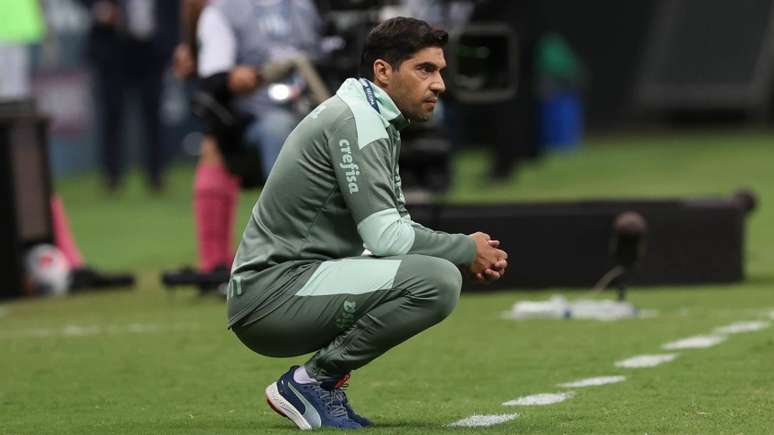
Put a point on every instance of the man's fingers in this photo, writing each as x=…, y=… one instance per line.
x=488, y=275
x=492, y=274
x=494, y=243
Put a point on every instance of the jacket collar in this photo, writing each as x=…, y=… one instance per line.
x=384, y=106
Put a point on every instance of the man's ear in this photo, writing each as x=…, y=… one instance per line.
x=382, y=72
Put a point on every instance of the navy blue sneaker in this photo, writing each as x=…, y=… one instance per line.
x=338, y=386
x=309, y=406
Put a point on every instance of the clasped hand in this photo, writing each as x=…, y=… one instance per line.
x=490, y=262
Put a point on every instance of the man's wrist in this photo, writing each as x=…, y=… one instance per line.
x=470, y=250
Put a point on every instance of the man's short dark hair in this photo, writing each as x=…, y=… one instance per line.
x=396, y=40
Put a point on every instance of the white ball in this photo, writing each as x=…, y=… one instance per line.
x=48, y=271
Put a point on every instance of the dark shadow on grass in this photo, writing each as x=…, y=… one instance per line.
x=406, y=425
x=278, y=426
x=392, y=426
x=216, y=426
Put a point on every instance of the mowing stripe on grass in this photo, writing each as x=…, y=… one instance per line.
x=640, y=361
x=3, y=312
x=540, y=399
x=483, y=420
x=591, y=382
x=83, y=331
x=697, y=342
x=739, y=327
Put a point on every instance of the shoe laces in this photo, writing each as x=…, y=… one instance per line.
x=340, y=394
x=333, y=402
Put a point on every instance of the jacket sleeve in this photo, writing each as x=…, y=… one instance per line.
x=368, y=185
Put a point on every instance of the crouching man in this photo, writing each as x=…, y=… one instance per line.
x=301, y=282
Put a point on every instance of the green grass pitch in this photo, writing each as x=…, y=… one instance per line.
x=146, y=361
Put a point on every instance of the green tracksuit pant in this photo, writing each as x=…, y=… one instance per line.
x=350, y=311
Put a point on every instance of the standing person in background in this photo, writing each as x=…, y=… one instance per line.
x=236, y=38
x=215, y=189
x=301, y=282
x=23, y=25
x=129, y=45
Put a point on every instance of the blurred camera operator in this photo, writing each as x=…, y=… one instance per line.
x=239, y=37
x=235, y=40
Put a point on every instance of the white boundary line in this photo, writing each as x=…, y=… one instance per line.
x=695, y=342
x=483, y=420
x=540, y=399
x=641, y=361
x=740, y=327
x=719, y=335
x=593, y=382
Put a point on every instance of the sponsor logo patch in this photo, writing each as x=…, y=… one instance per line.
x=352, y=170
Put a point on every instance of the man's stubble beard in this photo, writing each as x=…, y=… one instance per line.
x=413, y=116
x=420, y=118
x=417, y=116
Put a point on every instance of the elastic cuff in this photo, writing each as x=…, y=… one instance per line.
x=319, y=374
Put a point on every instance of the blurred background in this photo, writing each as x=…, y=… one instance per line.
x=547, y=100
x=654, y=64
x=622, y=151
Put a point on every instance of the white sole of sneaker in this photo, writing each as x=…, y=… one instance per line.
x=285, y=408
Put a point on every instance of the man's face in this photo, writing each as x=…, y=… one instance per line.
x=416, y=85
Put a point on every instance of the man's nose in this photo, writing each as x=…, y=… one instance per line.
x=437, y=85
